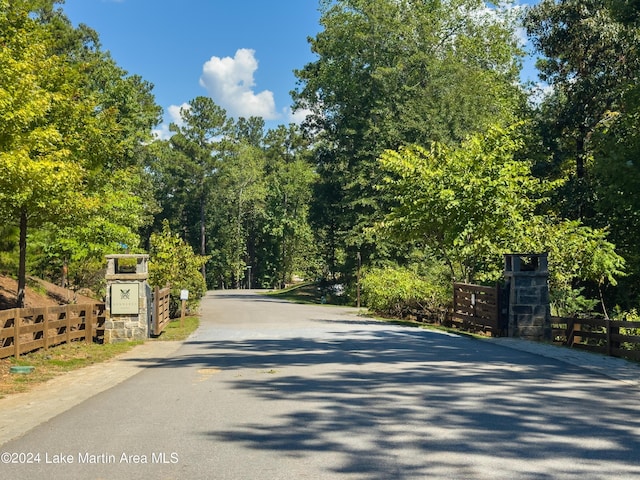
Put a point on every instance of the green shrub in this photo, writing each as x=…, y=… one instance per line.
x=398, y=291
x=173, y=262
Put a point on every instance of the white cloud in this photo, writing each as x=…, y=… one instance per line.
x=174, y=116
x=296, y=117
x=162, y=132
x=175, y=113
x=230, y=83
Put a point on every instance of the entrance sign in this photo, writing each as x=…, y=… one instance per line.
x=128, y=298
x=125, y=299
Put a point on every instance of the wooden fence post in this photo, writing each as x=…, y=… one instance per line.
x=155, y=319
x=45, y=334
x=67, y=312
x=88, y=325
x=16, y=334
x=569, y=334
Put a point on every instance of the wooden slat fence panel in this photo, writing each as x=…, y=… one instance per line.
x=28, y=329
x=476, y=308
x=161, y=315
x=609, y=337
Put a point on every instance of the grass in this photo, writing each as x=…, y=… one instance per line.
x=64, y=358
x=174, y=332
x=307, y=293
x=301, y=293
x=55, y=361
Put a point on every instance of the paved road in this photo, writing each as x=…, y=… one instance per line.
x=270, y=390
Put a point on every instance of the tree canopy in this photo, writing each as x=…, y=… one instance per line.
x=392, y=73
x=422, y=155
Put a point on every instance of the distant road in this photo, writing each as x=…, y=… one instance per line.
x=271, y=390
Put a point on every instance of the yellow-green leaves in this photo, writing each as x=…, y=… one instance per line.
x=174, y=263
x=474, y=203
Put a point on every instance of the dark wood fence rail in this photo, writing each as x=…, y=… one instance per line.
x=476, y=308
x=609, y=337
x=24, y=330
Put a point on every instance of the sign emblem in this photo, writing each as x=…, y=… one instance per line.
x=125, y=299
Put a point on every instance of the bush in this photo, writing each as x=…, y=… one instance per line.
x=399, y=291
x=172, y=262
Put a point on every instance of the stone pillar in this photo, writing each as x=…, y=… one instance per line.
x=527, y=284
x=127, y=299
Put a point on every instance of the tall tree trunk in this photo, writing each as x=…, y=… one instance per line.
x=203, y=238
x=22, y=268
x=283, y=260
x=239, y=252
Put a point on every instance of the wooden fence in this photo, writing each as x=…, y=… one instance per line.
x=609, y=337
x=161, y=316
x=476, y=308
x=23, y=330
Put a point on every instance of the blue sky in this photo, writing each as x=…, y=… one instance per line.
x=242, y=53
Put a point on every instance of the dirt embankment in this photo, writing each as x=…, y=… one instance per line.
x=42, y=294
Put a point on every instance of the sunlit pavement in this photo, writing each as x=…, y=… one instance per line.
x=271, y=390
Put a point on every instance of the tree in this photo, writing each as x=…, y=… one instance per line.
x=111, y=225
x=470, y=204
x=172, y=262
x=589, y=59
x=474, y=203
x=287, y=242
x=391, y=73
x=588, y=123
x=76, y=121
x=44, y=109
x=197, y=142
x=241, y=192
x=625, y=11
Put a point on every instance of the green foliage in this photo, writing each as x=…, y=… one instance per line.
x=9, y=249
x=470, y=204
x=288, y=239
x=628, y=316
x=588, y=125
x=398, y=291
x=392, y=73
x=590, y=60
x=113, y=219
x=578, y=256
x=473, y=204
x=186, y=169
x=72, y=129
x=251, y=205
x=172, y=262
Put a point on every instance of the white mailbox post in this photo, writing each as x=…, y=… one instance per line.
x=184, y=296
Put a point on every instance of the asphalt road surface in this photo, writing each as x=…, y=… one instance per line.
x=271, y=390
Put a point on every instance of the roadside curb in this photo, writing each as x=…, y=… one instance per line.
x=20, y=412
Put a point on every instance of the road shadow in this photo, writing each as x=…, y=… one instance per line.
x=403, y=403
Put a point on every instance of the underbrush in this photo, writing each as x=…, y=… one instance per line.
x=400, y=292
